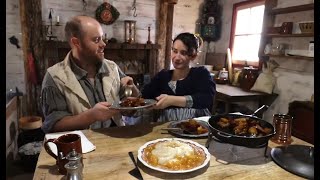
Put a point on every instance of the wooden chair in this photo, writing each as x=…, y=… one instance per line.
x=303, y=120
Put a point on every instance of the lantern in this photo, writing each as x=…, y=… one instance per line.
x=130, y=31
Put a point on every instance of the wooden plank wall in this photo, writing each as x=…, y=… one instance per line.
x=148, y=15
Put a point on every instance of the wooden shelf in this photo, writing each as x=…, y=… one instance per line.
x=305, y=7
x=289, y=57
x=290, y=35
x=64, y=44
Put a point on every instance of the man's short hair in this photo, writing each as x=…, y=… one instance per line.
x=73, y=28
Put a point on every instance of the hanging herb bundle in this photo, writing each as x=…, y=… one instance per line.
x=106, y=13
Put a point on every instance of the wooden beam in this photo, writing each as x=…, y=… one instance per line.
x=169, y=35
x=162, y=32
x=32, y=35
x=164, y=37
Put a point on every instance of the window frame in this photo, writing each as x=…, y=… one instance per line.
x=236, y=8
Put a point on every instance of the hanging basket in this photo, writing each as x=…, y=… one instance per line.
x=106, y=13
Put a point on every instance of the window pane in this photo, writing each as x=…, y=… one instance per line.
x=246, y=48
x=256, y=19
x=253, y=48
x=239, y=48
x=242, y=23
x=247, y=33
x=249, y=21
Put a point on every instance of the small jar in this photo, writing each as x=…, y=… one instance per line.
x=223, y=74
x=311, y=46
x=248, y=77
x=286, y=28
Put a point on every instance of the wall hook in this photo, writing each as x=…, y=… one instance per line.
x=84, y=3
x=134, y=8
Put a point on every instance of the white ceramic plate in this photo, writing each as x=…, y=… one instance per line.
x=205, y=162
x=148, y=103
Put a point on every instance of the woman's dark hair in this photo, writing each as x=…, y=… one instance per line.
x=192, y=41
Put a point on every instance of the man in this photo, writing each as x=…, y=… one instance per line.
x=77, y=93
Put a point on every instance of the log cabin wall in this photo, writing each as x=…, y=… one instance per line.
x=14, y=56
x=299, y=77
x=147, y=15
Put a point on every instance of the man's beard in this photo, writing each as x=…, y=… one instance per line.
x=90, y=57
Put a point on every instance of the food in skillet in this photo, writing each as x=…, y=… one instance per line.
x=193, y=127
x=243, y=127
x=174, y=155
x=133, y=102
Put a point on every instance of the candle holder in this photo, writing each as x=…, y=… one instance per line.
x=149, y=41
x=130, y=31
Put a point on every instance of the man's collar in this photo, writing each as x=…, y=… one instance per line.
x=79, y=72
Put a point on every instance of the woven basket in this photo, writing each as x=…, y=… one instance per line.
x=306, y=27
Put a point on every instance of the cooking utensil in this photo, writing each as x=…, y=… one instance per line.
x=227, y=137
x=127, y=91
x=135, y=172
x=297, y=159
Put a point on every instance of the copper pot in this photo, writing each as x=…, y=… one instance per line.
x=248, y=77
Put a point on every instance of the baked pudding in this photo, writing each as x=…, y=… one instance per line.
x=173, y=155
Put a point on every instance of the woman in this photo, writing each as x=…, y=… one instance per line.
x=183, y=92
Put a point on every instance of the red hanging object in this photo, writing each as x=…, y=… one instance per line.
x=32, y=69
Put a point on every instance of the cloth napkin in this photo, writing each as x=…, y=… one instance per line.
x=86, y=145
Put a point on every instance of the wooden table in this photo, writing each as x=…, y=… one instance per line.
x=110, y=160
x=230, y=94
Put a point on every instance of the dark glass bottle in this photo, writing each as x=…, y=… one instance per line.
x=249, y=76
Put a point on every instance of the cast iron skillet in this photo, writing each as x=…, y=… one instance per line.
x=227, y=137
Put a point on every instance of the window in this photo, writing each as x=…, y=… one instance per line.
x=246, y=30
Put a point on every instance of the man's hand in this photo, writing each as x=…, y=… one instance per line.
x=101, y=111
x=128, y=82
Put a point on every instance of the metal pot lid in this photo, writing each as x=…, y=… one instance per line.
x=297, y=159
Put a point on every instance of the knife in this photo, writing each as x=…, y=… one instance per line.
x=135, y=172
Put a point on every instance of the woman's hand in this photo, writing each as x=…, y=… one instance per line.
x=164, y=101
